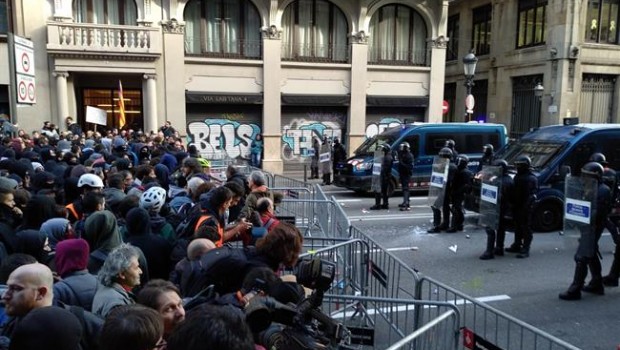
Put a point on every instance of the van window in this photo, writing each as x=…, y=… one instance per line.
x=610, y=147
x=579, y=156
x=465, y=142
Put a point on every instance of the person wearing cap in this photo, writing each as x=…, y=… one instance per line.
x=86, y=183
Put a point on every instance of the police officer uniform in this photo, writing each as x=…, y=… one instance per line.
x=405, y=170
x=524, y=195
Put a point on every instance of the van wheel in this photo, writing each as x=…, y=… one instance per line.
x=547, y=216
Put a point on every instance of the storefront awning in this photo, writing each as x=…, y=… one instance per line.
x=316, y=100
x=397, y=101
x=216, y=98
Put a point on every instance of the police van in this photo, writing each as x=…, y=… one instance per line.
x=425, y=140
x=556, y=151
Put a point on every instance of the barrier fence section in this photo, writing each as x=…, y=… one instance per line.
x=377, y=323
x=485, y=325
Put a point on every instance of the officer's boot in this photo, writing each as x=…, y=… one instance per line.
x=436, y=221
x=488, y=254
x=499, y=243
x=574, y=290
x=611, y=280
x=377, y=205
x=386, y=204
x=525, y=250
x=596, y=283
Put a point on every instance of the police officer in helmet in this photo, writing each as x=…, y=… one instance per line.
x=405, y=170
x=441, y=223
x=587, y=255
x=525, y=189
x=461, y=184
x=386, y=176
x=495, y=240
x=487, y=156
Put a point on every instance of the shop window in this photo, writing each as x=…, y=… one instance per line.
x=453, y=34
x=398, y=36
x=481, y=29
x=314, y=30
x=107, y=99
x=4, y=20
x=119, y=12
x=602, y=23
x=531, y=23
x=222, y=28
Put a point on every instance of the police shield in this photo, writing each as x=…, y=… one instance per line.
x=579, y=212
x=437, y=183
x=376, y=171
x=490, y=196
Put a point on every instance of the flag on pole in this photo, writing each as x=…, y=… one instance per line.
x=121, y=106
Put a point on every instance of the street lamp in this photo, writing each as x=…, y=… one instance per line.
x=539, y=90
x=469, y=66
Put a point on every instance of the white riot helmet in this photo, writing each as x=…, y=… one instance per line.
x=90, y=180
x=153, y=199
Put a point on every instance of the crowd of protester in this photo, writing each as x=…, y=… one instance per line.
x=107, y=239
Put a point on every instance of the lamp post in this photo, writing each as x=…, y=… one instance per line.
x=539, y=90
x=469, y=67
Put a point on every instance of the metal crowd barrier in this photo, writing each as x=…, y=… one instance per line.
x=486, y=324
x=377, y=323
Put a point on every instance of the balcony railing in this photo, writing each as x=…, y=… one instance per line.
x=303, y=52
x=237, y=49
x=103, y=39
x=392, y=57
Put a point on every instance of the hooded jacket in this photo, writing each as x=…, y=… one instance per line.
x=78, y=286
x=156, y=249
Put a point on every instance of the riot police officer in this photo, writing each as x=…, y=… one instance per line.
x=386, y=176
x=461, y=184
x=495, y=243
x=452, y=146
x=524, y=195
x=587, y=255
x=487, y=156
x=441, y=223
x=405, y=170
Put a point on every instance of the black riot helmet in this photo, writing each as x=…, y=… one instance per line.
x=609, y=178
x=503, y=164
x=488, y=149
x=404, y=146
x=593, y=170
x=599, y=158
x=445, y=153
x=450, y=144
x=523, y=163
x=461, y=161
x=386, y=148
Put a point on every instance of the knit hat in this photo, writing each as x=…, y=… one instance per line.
x=71, y=255
x=7, y=183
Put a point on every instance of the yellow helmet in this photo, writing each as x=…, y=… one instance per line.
x=205, y=163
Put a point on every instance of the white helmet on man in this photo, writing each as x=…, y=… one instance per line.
x=153, y=199
x=90, y=180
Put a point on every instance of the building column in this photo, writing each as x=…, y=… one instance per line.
x=173, y=101
x=359, y=75
x=62, y=100
x=150, y=120
x=434, y=112
x=272, y=104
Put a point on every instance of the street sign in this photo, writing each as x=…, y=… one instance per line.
x=24, y=71
x=446, y=107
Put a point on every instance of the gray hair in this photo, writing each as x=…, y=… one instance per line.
x=118, y=260
x=258, y=178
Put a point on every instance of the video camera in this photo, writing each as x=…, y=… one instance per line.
x=302, y=326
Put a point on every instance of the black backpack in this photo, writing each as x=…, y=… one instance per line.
x=185, y=228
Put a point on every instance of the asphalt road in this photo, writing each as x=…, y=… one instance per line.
x=528, y=287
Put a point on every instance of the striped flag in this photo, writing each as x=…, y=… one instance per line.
x=121, y=106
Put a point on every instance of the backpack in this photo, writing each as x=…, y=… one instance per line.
x=185, y=228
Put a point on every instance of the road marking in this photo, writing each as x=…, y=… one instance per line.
x=400, y=249
x=340, y=314
x=406, y=216
x=348, y=200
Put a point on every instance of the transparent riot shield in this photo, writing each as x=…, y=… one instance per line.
x=376, y=171
x=579, y=212
x=490, y=196
x=437, y=184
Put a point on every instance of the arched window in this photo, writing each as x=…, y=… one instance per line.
x=122, y=12
x=314, y=30
x=397, y=36
x=224, y=28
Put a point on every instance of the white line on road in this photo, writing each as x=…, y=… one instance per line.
x=339, y=314
x=400, y=249
x=390, y=217
x=348, y=200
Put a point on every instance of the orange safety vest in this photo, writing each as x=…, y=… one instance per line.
x=71, y=208
x=220, y=230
